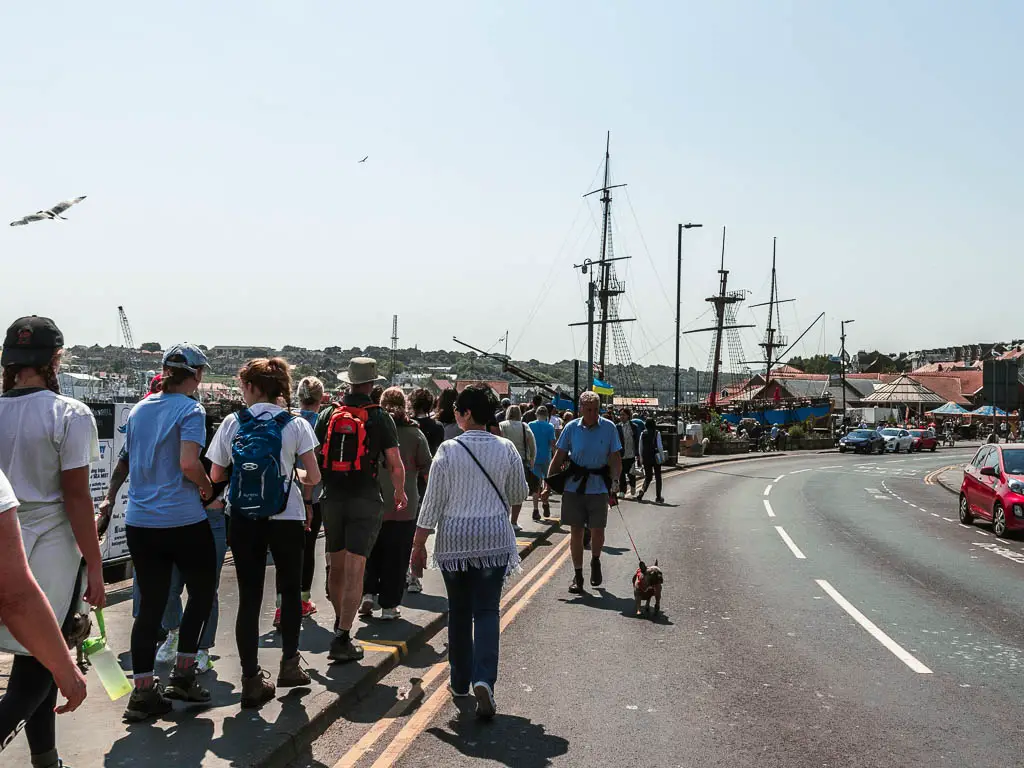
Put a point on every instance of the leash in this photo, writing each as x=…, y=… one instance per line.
x=632, y=543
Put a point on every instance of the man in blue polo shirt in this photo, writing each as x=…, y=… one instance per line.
x=591, y=443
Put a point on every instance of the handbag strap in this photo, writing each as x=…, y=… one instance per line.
x=486, y=473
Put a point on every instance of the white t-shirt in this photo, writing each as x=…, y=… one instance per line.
x=41, y=435
x=556, y=422
x=7, y=498
x=297, y=438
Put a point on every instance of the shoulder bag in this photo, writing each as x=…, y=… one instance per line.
x=486, y=473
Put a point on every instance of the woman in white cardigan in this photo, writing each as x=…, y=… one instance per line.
x=474, y=479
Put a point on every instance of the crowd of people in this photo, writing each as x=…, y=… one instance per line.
x=378, y=471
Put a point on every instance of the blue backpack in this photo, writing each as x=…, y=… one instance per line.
x=257, y=484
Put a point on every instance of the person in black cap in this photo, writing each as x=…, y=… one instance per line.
x=47, y=442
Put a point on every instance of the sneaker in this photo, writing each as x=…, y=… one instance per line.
x=485, y=706
x=292, y=674
x=168, y=652
x=203, y=662
x=414, y=585
x=576, y=586
x=536, y=515
x=308, y=608
x=146, y=703
x=459, y=694
x=660, y=500
x=640, y=496
x=547, y=510
x=517, y=527
x=183, y=686
x=343, y=649
x=368, y=606
x=277, y=618
x=595, y=572
x=257, y=690
x=390, y=614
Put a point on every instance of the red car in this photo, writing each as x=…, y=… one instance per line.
x=993, y=488
x=924, y=440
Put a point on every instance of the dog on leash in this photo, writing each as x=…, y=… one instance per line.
x=647, y=583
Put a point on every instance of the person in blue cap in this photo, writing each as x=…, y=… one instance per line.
x=166, y=526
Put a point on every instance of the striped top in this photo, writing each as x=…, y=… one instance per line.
x=472, y=523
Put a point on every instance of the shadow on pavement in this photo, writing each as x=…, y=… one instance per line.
x=507, y=740
x=739, y=474
x=604, y=600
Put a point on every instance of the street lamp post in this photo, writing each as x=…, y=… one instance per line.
x=679, y=302
x=842, y=358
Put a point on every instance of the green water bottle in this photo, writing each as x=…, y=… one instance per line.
x=105, y=663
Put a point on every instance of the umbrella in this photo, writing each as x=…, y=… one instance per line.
x=949, y=409
x=986, y=410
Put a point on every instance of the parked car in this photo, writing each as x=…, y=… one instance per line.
x=924, y=440
x=862, y=441
x=993, y=488
x=897, y=439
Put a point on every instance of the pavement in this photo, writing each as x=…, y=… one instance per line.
x=222, y=735
x=825, y=610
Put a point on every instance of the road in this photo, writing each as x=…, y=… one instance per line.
x=819, y=611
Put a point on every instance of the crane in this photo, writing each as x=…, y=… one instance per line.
x=126, y=330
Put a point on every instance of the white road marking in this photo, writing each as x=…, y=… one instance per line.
x=767, y=490
x=881, y=496
x=790, y=543
x=837, y=466
x=1009, y=554
x=768, y=508
x=779, y=478
x=982, y=533
x=798, y=471
x=895, y=648
x=936, y=514
x=872, y=490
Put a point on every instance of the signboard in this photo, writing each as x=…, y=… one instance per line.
x=111, y=419
x=1000, y=385
x=651, y=402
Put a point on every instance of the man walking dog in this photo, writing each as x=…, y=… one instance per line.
x=591, y=445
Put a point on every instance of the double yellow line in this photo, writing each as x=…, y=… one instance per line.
x=511, y=604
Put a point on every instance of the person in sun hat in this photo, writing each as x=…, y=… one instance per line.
x=47, y=442
x=351, y=506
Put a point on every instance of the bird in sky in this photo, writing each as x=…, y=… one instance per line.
x=364, y=159
x=52, y=213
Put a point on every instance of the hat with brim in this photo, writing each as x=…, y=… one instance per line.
x=361, y=370
x=31, y=341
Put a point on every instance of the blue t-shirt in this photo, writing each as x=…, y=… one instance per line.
x=159, y=495
x=544, y=434
x=589, y=447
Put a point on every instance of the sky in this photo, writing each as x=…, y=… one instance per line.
x=218, y=144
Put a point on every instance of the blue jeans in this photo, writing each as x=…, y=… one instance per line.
x=473, y=598
x=172, y=613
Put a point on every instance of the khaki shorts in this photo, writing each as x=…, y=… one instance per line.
x=351, y=523
x=589, y=509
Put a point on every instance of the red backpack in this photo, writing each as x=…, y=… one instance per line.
x=345, y=446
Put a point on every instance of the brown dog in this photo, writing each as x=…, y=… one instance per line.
x=647, y=583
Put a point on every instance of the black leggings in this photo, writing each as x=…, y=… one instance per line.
x=389, y=562
x=627, y=476
x=250, y=541
x=155, y=552
x=29, y=701
x=655, y=471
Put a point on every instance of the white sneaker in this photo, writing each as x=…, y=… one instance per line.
x=457, y=695
x=517, y=528
x=390, y=614
x=485, y=706
x=368, y=606
x=414, y=585
x=203, y=662
x=168, y=652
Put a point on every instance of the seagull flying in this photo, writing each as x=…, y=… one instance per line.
x=52, y=213
x=364, y=159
